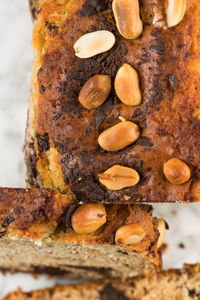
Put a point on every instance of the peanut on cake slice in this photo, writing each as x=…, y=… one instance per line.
x=44, y=231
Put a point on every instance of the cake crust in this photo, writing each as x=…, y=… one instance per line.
x=21, y=208
x=39, y=221
x=65, y=133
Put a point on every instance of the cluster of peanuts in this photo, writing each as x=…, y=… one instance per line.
x=90, y=217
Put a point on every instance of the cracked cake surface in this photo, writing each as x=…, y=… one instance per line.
x=62, y=147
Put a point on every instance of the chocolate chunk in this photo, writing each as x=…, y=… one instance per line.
x=137, y=112
x=173, y=81
x=156, y=93
x=159, y=47
x=156, y=32
x=8, y=220
x=106, y=63
x=65, y=88
x=102, y=112
x=77, y=115
x=71, y=174
x=88, y=190
x=69, y=107
x=109, y=292
x=43, y=142
x=36, y=214
x=98, y=118
x=56, y=117
x=87, y=132
x=17, y=210
x=66, y=218
x=52, y=27
x=31, y=165
x=144, y=141
x=34, y=13
x=92, y=7
x=42, y=89
x=62, y=146
x=137, y=165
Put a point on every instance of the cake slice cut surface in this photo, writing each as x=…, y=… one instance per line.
x=44, y=231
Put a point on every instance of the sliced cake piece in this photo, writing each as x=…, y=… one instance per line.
x=183, y=284
x=114, y=114
x=44, y=231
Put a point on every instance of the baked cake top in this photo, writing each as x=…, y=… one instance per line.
x=65, y=138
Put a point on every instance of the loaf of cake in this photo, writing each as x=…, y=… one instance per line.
x=183, y=284
x=44, y=231
x=114, y=109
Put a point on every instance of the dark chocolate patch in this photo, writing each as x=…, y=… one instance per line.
x=92, y=7
x=8, y=221
x=144, y=141
x=156, y=32
x=34, y=13
x=101, y=113
x=66, y=218
x=98, y=118
x=43, y=142
x=52, y=26
x=159, y=47
x=42, y=89
x=77, y=115
x=156, y=93
x=62, y=146
x=71, y=174
x=106, y=63
x=36, y=214
x=56, y=117
x=87, y=132
x=17, y=210
x=137, y=112
x=109, y=292
x=88, y=190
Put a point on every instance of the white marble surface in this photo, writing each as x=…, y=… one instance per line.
x=15, y=70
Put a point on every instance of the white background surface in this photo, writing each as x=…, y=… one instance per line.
x=15, y=69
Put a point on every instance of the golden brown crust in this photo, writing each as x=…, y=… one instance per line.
x=35, y=213
x=39, y=221
x=166, y=60
x=21, y=208
x=172, y=284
